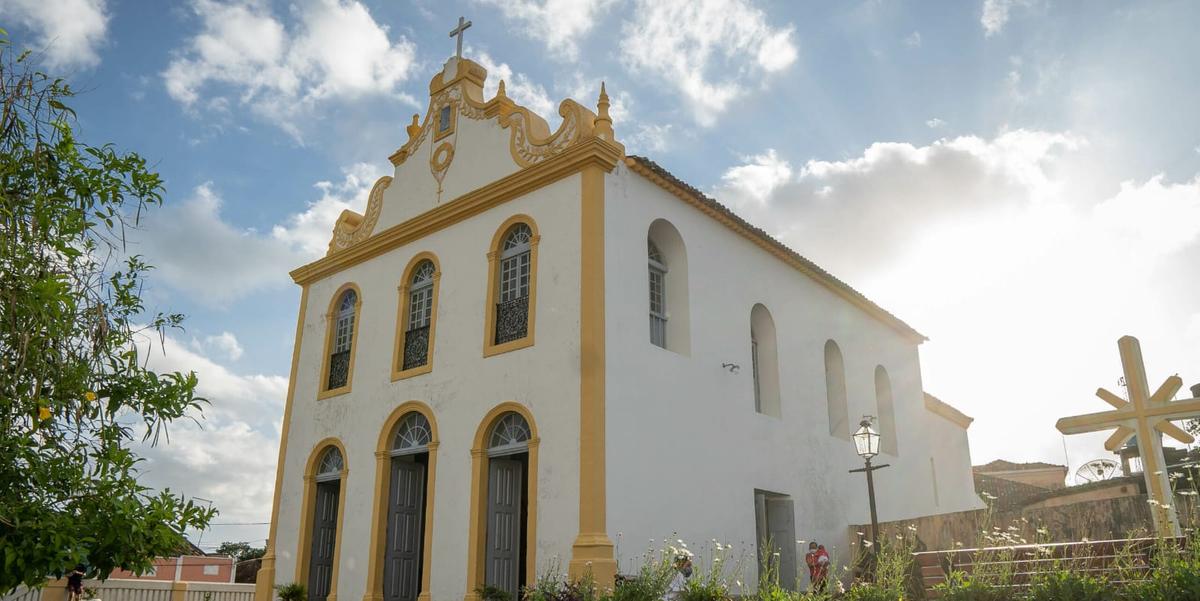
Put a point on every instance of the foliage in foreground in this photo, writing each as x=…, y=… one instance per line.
x=73, y=381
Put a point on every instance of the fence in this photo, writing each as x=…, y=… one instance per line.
x=139, y=590
x=1016, y=566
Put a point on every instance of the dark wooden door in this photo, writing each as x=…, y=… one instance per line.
x=504, y=524
x=405, y=531
x=324, y=537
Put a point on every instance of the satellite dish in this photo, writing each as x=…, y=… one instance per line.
x=1096, y=470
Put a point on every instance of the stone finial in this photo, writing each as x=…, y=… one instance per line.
x=604, y=128
x=413, y=128
x=500, y=91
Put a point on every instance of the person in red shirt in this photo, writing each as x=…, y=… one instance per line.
x=817, y=560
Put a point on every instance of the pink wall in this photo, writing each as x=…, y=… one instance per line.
x=189, y=567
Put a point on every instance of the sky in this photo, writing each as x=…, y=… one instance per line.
x=1017, y=179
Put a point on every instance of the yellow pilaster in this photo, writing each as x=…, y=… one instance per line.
x=592, y=551
x=178, y=591
x=264, y=584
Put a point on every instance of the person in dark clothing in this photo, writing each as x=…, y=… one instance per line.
x=75, y=584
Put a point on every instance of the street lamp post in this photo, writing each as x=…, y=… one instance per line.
x=866, y=443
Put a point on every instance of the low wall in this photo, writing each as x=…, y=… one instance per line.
x=139, y=590
x=1103, y=519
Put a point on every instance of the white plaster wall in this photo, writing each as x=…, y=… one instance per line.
x=481, y=156
x=462, y=387
x=950, y=453
x=686, y=450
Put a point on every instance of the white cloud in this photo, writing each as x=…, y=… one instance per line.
x=996, y=13
x=518, y=86
x=334, y=50
x=309, y=232
x=227, y=343
x=646, y=137
x=556, y=23
x=758, y=176
x=197, y=252
x=230, y=456
x=913, y=40
x=935, y=123
x=69, y=31
x=1005, y=251
x=711, y=52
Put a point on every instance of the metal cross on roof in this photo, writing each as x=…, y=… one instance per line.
x=463, y=24
x=1144, y=415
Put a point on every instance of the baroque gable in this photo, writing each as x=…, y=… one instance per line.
x=462, y=144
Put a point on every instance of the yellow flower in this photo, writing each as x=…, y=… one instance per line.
x=90, y=396
x=43, y=413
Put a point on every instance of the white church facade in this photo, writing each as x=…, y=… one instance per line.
x=531, y=348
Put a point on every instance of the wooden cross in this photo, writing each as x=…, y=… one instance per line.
x=1144, y=415
x=463, y=24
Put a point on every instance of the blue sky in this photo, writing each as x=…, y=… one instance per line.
x=1018, y=179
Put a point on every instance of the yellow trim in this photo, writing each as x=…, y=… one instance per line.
x=944, y=409
x=774, y=247
x=352, y=228
x=330, y=327
x=441, y=157
x=530, y=140
x=477, y=533
x=264, y=587
x=308, y=509
x=440, y=133
x=379, y=507
x=592, y=550
x=493, y=257
x=402, y=311
x=569, y=162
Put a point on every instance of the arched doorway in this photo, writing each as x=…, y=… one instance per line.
x=507, y=503
x=327, y=494
x=404, y=556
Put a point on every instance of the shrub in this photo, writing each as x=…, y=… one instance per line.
x=293, y=591
x=488, y=592
x=1066, y=585
x=649, y=584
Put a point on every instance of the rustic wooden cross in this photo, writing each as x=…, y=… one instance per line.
x=463, y=24
x=1144, y=415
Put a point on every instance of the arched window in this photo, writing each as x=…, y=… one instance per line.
x=667, y=288
x=417, y=317
x=658, y=296
x=413, y=435
x=330, y=467
x=339, y=360
x=764, y=362
x=835, y=391
x=887, y=412
x=509, y=435
x=514, y=284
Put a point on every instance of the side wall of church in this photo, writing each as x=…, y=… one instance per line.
x=461, y=388
x=687, y=450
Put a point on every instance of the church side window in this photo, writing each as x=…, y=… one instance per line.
x=667, y=288
x=513, y=264
x=887, y=412
x=340, y=359
x=835, y=391
x=764, y=362
x=420, y=315
x=658, y=296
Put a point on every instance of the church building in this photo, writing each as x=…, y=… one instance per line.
x=532, y=348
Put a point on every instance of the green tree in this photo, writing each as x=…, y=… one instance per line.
x=240, y=551
x=75, y=392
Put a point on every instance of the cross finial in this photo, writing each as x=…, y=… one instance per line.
x=457, y=32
